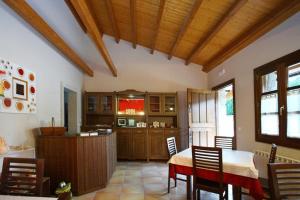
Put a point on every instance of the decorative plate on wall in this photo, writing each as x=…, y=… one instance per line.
x=19, y=88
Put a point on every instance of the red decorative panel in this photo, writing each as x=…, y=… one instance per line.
x=136, y=104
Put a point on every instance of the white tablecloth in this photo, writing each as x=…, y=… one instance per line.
x=234, y=162
x=9, y=197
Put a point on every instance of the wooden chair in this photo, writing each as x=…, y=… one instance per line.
x=272, y=156
x=172, y=150
x=265, y=182
x=208, y=158
x=224, y=142
x=284, y=180
x=22, y=176
x=171, y=144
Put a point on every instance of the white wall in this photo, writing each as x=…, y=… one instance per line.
x=282, y=40
x=21, y=45
x=140, y=70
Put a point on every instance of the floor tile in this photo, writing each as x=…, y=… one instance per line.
x=132, y=197
x=106, y=196
x=132, y=188
x=144, y=181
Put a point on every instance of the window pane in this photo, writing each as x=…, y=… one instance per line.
x=269, y=82
x=293, y=113
x=269, y=114
x=294, y=75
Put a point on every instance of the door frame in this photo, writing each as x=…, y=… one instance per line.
x=220, y=86
x=78, y=104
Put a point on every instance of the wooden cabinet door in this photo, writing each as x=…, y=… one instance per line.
x=92, y=103
x=155, y=104
x=170, y=104
x=139, y=144
x=107, y=104
x=124, y=142
x=156, y=144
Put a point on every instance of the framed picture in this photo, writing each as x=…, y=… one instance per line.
x=20, y=89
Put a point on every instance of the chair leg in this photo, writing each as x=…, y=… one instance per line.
x=175, y=180
x=198, y=194
x=194, y=193
x=169, y=181
x=226, y=194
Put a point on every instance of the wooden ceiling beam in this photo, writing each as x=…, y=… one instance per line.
x=83, y=11
x=113, y=20
x=213, y=32
x=36, y=21
x=187, y=21
x=158, y=22
x=79, y=21
x=279, y=15
x=133, y=22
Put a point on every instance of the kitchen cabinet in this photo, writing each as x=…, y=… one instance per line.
x=155, y=104
x=124, y=144
x=139, y=144
x=157, y=144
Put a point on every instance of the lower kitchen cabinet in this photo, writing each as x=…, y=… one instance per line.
x=139, y=144
x=144, y=144
x=156, y=142
x=132, y=143
x=124, y=140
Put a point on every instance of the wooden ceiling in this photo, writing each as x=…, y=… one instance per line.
x=204, y=32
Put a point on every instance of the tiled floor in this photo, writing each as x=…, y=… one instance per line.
x=142, y=181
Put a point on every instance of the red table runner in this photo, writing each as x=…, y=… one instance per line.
x=252, y=184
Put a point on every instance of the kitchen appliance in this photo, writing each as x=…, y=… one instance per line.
x=122, y=122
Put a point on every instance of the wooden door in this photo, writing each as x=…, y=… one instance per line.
x=201, y=116
x=124, y=142
x=139, y=144
x=156, y=144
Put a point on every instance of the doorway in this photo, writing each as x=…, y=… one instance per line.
x=70, y=110
x=225, y=109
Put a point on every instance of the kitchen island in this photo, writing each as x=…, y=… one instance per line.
x=86, y=162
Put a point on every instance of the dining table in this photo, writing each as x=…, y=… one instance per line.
x=238, y=170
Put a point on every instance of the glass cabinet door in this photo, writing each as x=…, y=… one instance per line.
x=170, y=104
x=106, y=104
x=154, y=104
x=92, y=103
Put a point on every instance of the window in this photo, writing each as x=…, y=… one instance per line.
x=277, y=101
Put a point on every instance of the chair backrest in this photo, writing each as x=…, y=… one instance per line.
x=273, y=153
x=22, y=176
x=284, y=180
x=171, y=143
x=224, y=142
x=208, y=158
